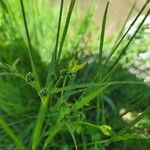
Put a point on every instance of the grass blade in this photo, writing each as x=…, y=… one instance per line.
x=29, y=45
x=123, y=27
x=119, y=135
x=99, y=98
x=58, y=31
x=72, y=3
x=123, y=37
x=127, y=45
x=85, y=100
x=55, y=51
x=38, y=127
x=7, y=129
x=73, y=137
x=97, y=84
x=124, y=130
x=53, y=131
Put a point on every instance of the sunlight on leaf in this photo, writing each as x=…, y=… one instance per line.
x=106, y=130
x=73, y=67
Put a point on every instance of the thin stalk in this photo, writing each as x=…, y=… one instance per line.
x=74, y=140
x=58, y=33
x=29, y=46
x=120, y=41
x=100, y=97
x=62, y=92
x=137, y=103
x=83, y=141
x=72, y=3
x=97, y=84
x=52, y=133
x=123, y=27
x=124, y=130
x=89, y=124
x=39, y=124
x=57, y=83
x=126, y=47
x=115, y=47
x=53, y=64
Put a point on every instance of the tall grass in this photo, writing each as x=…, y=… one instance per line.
x=57, y=99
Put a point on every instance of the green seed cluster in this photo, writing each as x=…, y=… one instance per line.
x=53, y=76
x=43, y=93
x=72, y=116
x=71, y=75
x=64, y=73
x=30, y=77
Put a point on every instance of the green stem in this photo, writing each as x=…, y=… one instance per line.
x=29, y=46
x=89, y=124
x=101, y=45
x=72, y=3
x=62, y=93
x=52, y=133
x=39, y=124
x=74, y=140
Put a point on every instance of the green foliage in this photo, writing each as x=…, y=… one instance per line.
x=49, y=89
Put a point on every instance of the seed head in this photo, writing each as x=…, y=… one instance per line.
x=71, y=75
x=30, y=77
x=43, y=93
x=63, y=73
x=53, y=76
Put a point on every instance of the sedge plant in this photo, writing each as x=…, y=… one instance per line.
x=60, y=102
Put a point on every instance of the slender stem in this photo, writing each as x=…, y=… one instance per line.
x=100, y=97
x=53, y=64
x=89, y=124
x=74, y=140
x=123, y=37
x=57, y=83
x=123, y=27
x=29, y=46
x=72, y=3
x=52, y=133
x=62, y=93
x=97, y=84
x=39, y=124
x=120, y=41
x=112, y=68
x=58, y=30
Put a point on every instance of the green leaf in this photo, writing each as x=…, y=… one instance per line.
x=75, y=68
x=16, y=62
x=106, y=130
x=69, y=14
x=85, y=100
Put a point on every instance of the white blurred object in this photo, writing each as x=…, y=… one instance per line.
x=136, y=24
x=140, y=63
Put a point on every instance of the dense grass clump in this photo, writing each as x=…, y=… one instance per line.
x=56, y=94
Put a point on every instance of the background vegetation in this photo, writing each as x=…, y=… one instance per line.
x=65, y=84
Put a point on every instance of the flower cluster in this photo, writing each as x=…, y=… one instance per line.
x=43, y=93
x=30, y=77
